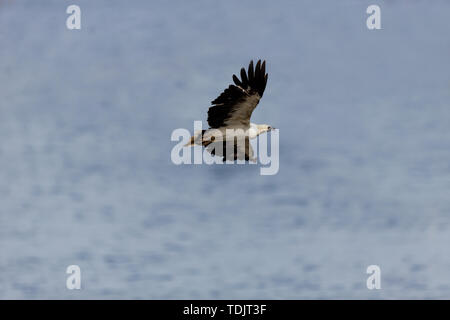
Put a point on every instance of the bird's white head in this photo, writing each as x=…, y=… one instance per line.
x=264, y=128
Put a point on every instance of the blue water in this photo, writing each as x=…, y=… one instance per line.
x=86, y=177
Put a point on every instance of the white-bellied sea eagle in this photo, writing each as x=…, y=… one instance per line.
x=229, y=117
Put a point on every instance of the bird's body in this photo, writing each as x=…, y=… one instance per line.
x=229, y=117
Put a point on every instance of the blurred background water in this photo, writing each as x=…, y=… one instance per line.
x=86, y=176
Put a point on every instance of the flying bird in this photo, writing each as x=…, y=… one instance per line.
x=229, y=117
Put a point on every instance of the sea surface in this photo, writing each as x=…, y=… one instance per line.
x=86, y=176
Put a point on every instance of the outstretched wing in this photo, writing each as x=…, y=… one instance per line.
x=235, y=105
x=238, y=149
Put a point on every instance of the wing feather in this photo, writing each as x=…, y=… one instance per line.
x=244, y=79
x=251, y=77
x=242, y=150
x=237, y=81
x=235, y=105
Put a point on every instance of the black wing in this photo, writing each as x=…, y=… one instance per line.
x=235, y=105
x=241, y=150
